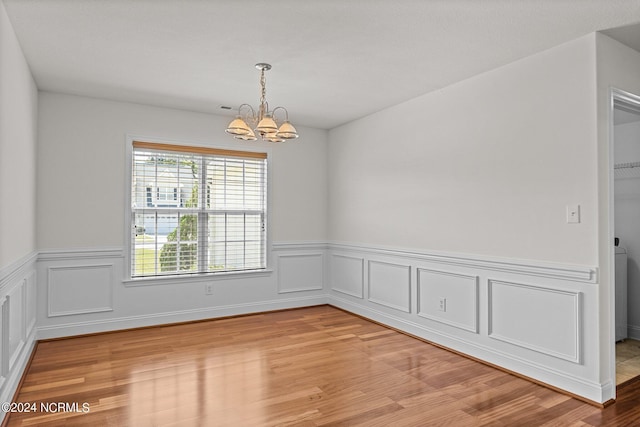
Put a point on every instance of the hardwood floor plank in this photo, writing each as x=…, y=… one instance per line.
x=317, y=366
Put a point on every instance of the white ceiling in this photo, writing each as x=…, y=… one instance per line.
x=333, y=60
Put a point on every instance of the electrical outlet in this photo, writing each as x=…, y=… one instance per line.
x=442, y=304
x=208, y=289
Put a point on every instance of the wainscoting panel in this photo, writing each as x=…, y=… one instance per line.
x=30, y=303
x=533, y=318
x=16, y=303
x=390, y=285
x=347, y=275
x=17, y=322
x=448, y=298
x=88, y=290
x=4, y=340
x=300, y=272
x=537, y=318
x=80, y=289
x=494, y=309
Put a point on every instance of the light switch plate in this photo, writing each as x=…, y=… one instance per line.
x=573, y=214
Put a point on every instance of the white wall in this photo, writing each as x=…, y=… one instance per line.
x=461, y=195
x=18, y=109
x=486, y=166
x=81, y=214
x=18, y=125
x=81, y=157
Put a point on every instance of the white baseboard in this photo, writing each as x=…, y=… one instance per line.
x=633, y=332
x=129, y=322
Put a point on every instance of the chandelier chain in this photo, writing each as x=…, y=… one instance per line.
x=263, y=85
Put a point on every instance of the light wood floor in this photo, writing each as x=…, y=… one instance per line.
x=308, y=367
x=627, y=360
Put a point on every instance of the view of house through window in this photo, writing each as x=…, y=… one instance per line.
x=196, y=210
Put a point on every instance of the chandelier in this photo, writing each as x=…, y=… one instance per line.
x=248, y=124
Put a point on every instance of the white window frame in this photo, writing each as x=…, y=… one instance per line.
x=128, y=280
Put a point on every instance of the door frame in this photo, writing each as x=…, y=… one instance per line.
x=616, y=97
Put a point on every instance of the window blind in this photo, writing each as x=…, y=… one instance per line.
x=196, y=210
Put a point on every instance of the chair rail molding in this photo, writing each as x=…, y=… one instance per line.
x=544, y=269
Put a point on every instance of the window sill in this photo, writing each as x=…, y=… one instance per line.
x=204, y=277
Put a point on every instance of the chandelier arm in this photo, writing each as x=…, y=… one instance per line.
x=286, y=113
x=248, y=106
x=253, y=113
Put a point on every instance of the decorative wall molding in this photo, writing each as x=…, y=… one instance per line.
x=75, y=298
x=543, y=269
x=80, y=254
x=17, y=321
x=80, y=289
x=300, y=272
x=460, y=292
x=311, y=273
x=490, y=313
x=347, y=274
x=299, y=246
x=4, y=341
x=524, y=315
x=10, y=273
x=389, y=284
x=30, y=286
x=15, y=305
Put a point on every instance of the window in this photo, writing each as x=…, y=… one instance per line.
x=196, y=210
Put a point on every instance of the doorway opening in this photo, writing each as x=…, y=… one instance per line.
x=626, y=228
